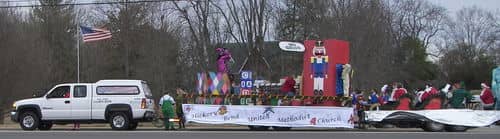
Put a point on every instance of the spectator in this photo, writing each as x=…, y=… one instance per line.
x=76, y=126
x=288, y=88
x=487, y=99
x=460, y=96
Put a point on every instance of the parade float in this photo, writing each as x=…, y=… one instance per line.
x=322, y=99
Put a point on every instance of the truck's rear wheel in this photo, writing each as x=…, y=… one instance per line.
x=433, y=127
x=119, y=121
x=455, y=128
x=45, y=126
x=29, y=121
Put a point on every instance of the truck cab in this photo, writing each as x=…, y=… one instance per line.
x=122, y=103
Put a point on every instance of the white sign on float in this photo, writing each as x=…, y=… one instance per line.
x=291, y=46
x=284, y=116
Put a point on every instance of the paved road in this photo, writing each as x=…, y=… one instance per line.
x=484, y=133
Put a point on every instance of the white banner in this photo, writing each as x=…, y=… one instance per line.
x=463, y=117
x=284, y=116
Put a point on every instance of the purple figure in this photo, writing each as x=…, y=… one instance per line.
x=224, y=56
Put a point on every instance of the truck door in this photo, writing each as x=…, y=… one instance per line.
x=80, y=104
x=57, y=104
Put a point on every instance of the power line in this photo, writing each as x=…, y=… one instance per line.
x=90, y=3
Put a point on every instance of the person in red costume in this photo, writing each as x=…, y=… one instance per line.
x=487, y=99
x=288, y=88
x=400, y=91
x=429, y=91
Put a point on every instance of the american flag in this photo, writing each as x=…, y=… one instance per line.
x=94, y=34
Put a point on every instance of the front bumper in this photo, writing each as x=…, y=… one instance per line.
x=14, y=117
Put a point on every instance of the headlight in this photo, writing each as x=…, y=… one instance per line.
x=14, y=106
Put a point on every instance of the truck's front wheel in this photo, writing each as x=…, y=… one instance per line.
x=119, y=121
x=29, y=121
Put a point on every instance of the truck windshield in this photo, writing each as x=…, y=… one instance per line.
x=147, y=91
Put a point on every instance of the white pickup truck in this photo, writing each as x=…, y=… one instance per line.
x=122, y=103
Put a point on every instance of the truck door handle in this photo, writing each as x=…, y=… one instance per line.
x=66, y=102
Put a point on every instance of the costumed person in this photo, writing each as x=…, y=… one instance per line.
x=319, y=65
x=346, y=77
x=222, y=60
x=460, y=96
x=487, y=99
x=235, y=89
x=359, y=104
x=398, y=92
x=288, y=87
x=167, y=109
x=429, y=91
x=495, y=86
x=444, y=95
x=419, y=94
x=181, y=95
x=374, y=98
x=384, y=97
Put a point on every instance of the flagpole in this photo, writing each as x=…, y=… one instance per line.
x=77, y=48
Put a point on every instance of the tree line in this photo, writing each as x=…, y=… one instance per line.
x=167, y=43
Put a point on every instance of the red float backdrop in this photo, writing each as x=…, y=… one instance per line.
x=337, y=52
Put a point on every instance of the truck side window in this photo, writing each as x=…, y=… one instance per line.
x=60, y=92
x=80, y=91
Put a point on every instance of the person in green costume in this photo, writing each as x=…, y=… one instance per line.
x=167, y=109
x=459, y=96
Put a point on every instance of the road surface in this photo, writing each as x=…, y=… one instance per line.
x=480, y=133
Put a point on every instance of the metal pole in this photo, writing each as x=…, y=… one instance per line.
x=77, y=47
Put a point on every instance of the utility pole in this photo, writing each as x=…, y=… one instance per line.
x=77, y=47
x=125, y=44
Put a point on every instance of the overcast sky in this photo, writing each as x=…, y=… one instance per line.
x=451, y=5
x=454, y=5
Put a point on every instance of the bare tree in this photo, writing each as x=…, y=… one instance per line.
x=417, y=19
x=198, y=17
x=474, y=26
x=469, y=51
x=248, y=22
